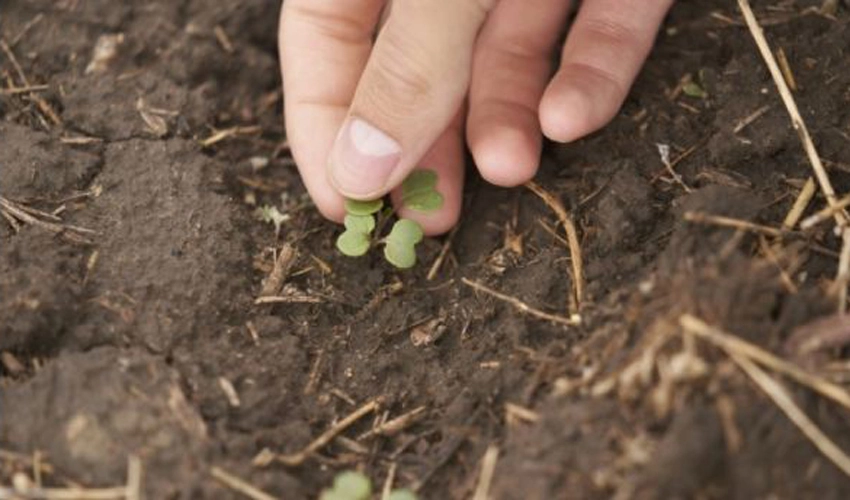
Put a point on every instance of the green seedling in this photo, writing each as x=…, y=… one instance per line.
x=352, y=485
x=418, y=193
x=271, y=215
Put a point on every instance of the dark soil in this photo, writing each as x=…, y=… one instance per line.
x=119, y=343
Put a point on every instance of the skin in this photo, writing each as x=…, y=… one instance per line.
x=374, y=90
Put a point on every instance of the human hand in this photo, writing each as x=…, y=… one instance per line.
x=362, y=112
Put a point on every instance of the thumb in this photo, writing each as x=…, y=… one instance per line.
x=411, y=89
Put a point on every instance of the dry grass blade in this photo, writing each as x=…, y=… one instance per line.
x=719, y=220
x=239, y=485
x=444, y=252
x=522, y=306
x=221, y=135
x=488, y=469
x=265, y=457
x=800, y=205
x=843, y=270
x=825, y=213
x=735, y=345
x=788, y=99
x=24, y=214
x=783, y=400
x=573, y=240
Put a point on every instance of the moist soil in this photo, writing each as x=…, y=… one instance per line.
x=142, y=338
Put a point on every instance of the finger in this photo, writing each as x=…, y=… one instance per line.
x=511, y=68
x=413, y=85
x=324, y=46
x=603, y=53
x=446, y=157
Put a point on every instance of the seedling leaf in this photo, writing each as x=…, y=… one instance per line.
x=356, y=239
x=402, y=495
x=349, y=486
x=419, y=192
x=353, y=244
x=271, y=215
x=360, y=223
x=357, y=207
x=400, y=248
x=693, y=89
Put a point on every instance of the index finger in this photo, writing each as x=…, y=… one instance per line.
x=324, y=46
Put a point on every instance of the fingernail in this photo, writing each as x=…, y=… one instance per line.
x=363, y=158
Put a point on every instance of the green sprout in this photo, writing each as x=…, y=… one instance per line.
x=352, y=485
x=418, y=193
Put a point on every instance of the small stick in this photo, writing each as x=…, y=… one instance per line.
x=786, y=403
x=488, y=468
x=239, y=485
x=438, y=263
x=664, y=152
x=747, y=121
x=299, y=458
x=221, y=135
x=288, y=299
x=27, y=27
x=522, y=306
x=800, y=205
x=782, y=59
x=732, y=344
x=574, y=243
x=24, y=90
x=396, y=425
x=282, y=267
x=117, y=493
x=825, y=213
x=223, y=39
x=15, y=64
x=134, y=478
x=719, y=220
x=843, y=270
x=388, y=484
x=788, y=99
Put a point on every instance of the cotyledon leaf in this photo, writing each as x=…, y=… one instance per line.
x=419, y=193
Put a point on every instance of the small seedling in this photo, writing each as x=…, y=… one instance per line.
x=352, y=485
x=418, y=193
x=271, y=215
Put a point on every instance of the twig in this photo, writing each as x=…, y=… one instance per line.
x=444, y=252
x=786, y=403
x=27, y=27
x=134, y=478
x=719, y=220
x=782, y=60
x=522, y=306
x=388, y=483
x=223, y=39
x=40, y=102
x=488, y=469
x=664, y=153
x=396, y=425
x=748, y=120
x=788, y=99
x=843, y=270
x=825, y=213
x=24, y=90
x=22, y=214
x=239, y=485
x=266, y=457
x=282, y=267
x=733, y=344
x=800, y=205
x=221, y=135
x=288, y=299
x=574, y=244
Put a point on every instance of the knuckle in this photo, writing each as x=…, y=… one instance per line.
x=400, y=77
x=613, y=33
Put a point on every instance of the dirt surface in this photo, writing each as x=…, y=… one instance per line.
x=134, y=333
